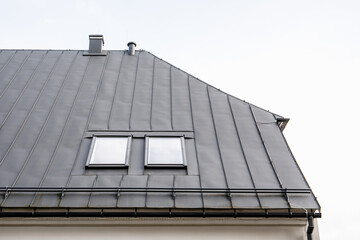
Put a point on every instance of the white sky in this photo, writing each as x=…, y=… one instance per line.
x=299, y=59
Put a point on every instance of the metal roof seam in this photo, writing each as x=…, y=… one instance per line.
x=195, y=143
x=23, y=90
x=269, y=157
x=30, y=113
x=242, y=149
x=53, y=107
x=297, y=165
x=118, y=193
x=171, y=101
x=218, y=146
x=90, y=114
x=14, y=76
x=133, y=95
x=8, y=61
x=115, y=91
x=91, y=193
x=65, y=126
x=12, y=108
x=152, y=93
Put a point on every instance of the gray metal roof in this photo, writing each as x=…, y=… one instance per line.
x=52, y=101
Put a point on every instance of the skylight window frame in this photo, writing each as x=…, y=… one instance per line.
x=165, y=165
x=112, y=165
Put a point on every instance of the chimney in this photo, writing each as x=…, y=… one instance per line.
x=131, y=50
x=96, y=43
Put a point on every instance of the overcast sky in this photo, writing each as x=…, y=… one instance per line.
x=299, y=59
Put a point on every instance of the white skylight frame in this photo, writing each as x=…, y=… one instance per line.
x=121, y=151
x=181, y=150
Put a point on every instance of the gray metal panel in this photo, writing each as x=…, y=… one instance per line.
x=141, y=104
x=78, y=199
x=54, y=129
x=21, y=144
x=121, y=103
x=10, y=71
x=75, y=126
x=41, y=146
x=137, y=157
x=161, y=118
x=84, y=151
x=283, y=160
x=237, y=173
x=30, y=165
x=191, y=159
x=187, y=200
x=5, y=58
x=131, y=200
x=254, y=151
x=16, y=89
x=182, y=118
x=102, y=109
x=160, y=200
x=210, y=168
x=105, y=200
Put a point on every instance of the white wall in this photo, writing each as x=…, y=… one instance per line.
x=154, y=229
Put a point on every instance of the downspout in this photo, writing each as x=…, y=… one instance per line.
x=310, y=228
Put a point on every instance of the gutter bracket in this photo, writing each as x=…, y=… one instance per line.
x=62, y=193
x=286, y=195
x=229, y=194
x=173, y=195
x=118, y=193
x=7, y=192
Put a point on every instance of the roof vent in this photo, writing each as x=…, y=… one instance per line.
x=131, y=50
x=96, y=43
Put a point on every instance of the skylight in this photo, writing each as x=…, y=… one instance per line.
x=109, y=151
x=165, y=151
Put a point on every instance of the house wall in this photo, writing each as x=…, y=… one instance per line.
x=155, y=229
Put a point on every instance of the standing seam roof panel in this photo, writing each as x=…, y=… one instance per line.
x=235, y=167
x=16, y=89
x=210, y=168
x=31, y=105
x=35, y=167
x=259, y=165
x=5, y=59
x=105, y=200
x=180, y=101
x=102, y=109
x=283, y=161
x=161, y=103
x=160, y=200
x=140, y=115
x=76, y=126
x=121, y=107
x=56, y=125
x=9, y=73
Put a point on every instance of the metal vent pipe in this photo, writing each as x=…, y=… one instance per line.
x=131, y=50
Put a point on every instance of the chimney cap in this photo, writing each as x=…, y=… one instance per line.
x=97, y=37
x=96, y=43
x=130, y=43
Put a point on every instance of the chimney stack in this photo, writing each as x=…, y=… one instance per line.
x=96, y=43
x=131, y=50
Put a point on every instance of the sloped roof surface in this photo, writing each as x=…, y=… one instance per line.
x=51, y=102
